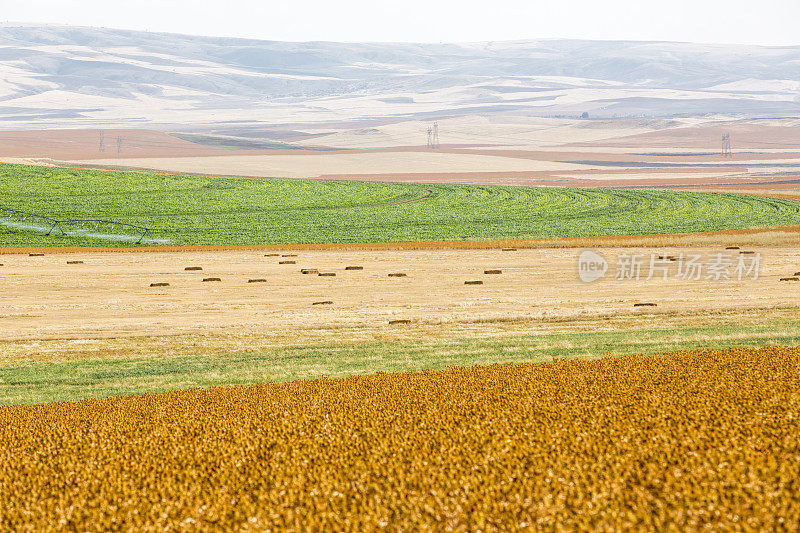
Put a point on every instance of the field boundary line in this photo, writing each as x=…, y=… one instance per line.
x=608, y=241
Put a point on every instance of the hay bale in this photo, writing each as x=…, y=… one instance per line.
x=272, y=255
x=747, y=253
x=790, y=279
x=476, y=282
x=398, y=275
x=193, y=268
x=35, y=255
x=731, y=247
x=74, y=262
x=327, y=274
x=354, y=268
x=326, y=302
x=160, y=284
x=287, y=262
x=397, y=322
x=211, y=279
x=645, y=305
x=492, y=271
x=309, y=271
x=795, y=274
x=289, y=255
x=509, y=249
x=257, y=280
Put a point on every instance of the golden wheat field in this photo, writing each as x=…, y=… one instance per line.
x=686, y=441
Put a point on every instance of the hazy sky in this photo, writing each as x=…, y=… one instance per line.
x=774, y=22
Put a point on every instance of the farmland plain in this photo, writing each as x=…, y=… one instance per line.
x=226, y=211
x=704, y=440
x=257, y=310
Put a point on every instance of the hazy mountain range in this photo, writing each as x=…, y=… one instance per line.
x=59, y=76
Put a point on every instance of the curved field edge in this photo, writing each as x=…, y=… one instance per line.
x=54, y=370
x=767, y=236
x=688, y=441
x=213, y=211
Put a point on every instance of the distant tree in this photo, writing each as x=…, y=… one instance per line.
x=585, y=114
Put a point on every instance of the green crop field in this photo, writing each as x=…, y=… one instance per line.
x=209, y=211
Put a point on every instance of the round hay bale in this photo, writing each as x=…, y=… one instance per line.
x=326, y=302
x=790, y=279
x=475, y=282
x=257, y=280
x=287, y=262
x=398, y=322
x=731, y=247
x=272, y=255
x=645, y=305
x=398, y=275
x=509, y=249
x=354, y=268
x=74, y=262
x=492, y=271
x=309, y=271
x=159, y=284
x=35, y=255
x=747, y=253
x=795, y=274
x=193, y=268
x=211, y=279
x=289, y=255
x=327, y=274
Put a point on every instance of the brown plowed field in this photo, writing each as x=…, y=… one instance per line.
x=605, y=163
x=85, y=144
x=743, y=136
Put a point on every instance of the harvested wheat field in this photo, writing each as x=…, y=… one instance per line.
x=687, y=441
x=110, y=295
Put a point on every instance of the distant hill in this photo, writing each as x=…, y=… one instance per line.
x=90, y=77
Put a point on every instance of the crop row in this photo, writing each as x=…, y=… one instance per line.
x=208, y=211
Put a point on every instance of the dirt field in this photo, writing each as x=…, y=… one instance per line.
x=487, y=167
x=318, y=164
x=750, y=136
x=85, y=144
x=109, y=295
x=510, y=151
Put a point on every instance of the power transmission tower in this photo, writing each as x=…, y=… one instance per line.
x=119, y=145
x=433, y=136
x=726, y=145
x=102, y=141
